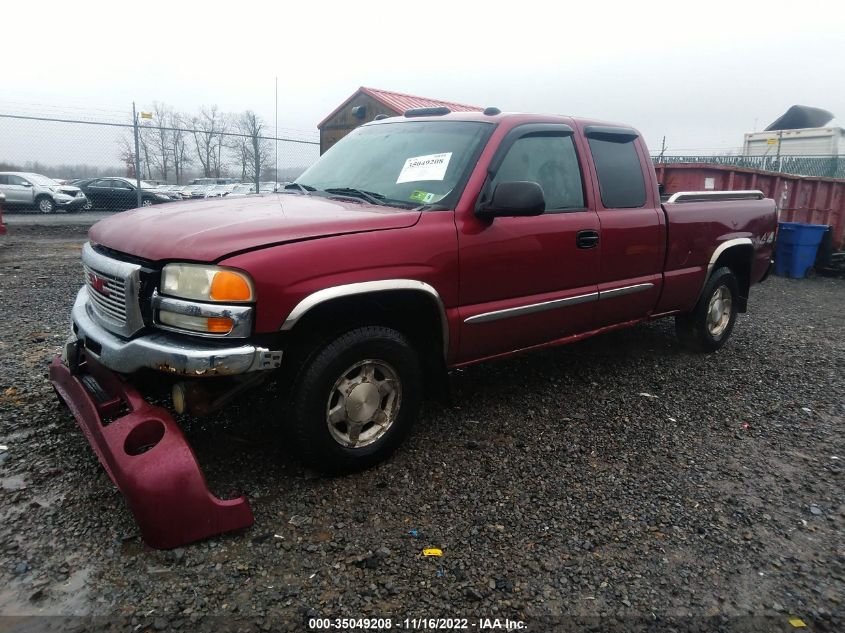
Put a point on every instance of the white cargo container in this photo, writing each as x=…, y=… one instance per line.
x=814, y=141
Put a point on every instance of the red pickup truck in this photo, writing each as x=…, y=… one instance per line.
x=417, y=244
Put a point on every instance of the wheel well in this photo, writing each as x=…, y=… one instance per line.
x=415, y=314
x=738, y=259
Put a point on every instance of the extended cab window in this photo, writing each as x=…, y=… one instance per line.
x=550, y=161
x=618, y=168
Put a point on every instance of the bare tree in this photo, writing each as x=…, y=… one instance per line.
x=208, y=128
x=127, y=155
x=179, y=145
x=254, y=150
x=159, y=140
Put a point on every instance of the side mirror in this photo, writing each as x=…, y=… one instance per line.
x=26, y=184
x=515, y=199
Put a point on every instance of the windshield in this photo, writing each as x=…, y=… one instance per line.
x=145, y=184
x=411, y=163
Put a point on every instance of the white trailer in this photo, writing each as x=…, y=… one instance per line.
x=816, y=141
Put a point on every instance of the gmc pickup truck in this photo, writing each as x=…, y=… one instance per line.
x=417, y=244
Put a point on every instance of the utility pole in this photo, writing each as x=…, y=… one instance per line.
x=777, y=157
x=137, y=156
x=256, y=159
x=662, y=149
x=276, y=137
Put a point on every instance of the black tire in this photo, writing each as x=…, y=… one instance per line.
x=694, y=329
x=146, y=202
x=45, y=204
x=315, y=386
x=88, y=206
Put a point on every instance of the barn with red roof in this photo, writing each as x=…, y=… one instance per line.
x=367, y=103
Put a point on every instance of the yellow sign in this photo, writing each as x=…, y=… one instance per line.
x=771, y=141
x=146, y=115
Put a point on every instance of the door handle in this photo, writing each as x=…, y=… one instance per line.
x=587, y=239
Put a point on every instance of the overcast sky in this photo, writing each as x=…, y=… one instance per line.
x=701, y=74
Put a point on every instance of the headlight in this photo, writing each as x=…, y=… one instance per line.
x=206, y=283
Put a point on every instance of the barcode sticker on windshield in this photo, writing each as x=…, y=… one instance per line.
x=431, y=167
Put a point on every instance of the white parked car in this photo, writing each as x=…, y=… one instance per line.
x=218, y=191
x=24, y=189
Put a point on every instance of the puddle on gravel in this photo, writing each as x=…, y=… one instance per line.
x=70, y=597
x=13, y=482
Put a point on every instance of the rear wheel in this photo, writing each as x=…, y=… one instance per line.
x=710, y=324
x=147, y=202
x=45, y=204
x=355, y=399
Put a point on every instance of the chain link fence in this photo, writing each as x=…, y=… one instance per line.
x=171, y=148
x=820, y=166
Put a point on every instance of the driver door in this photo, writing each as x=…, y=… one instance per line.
x=530, y=280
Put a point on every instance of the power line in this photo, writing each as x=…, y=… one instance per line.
x=152, y=127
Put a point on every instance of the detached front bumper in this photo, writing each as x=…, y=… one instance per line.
x=146, y=455
x=171, y=353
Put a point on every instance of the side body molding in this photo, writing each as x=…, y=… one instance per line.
x=366, y=287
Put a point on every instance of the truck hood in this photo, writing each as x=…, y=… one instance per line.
x=209, y=229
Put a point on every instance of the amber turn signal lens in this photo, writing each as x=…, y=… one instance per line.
x=230, y=286
x=220, y=325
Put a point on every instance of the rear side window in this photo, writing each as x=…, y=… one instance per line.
x=618, y=169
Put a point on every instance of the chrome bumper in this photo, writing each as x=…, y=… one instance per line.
x=162, y=351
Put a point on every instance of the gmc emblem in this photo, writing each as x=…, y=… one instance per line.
x=98, y=284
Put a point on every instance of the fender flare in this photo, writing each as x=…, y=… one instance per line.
x=369, y=287
x=721, y=248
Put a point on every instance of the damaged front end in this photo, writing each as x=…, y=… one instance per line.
x=140, y=445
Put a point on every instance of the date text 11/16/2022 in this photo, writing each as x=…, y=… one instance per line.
x=417, y=624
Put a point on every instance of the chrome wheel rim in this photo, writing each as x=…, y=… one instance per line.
x=45, y=206
x=363, y=403
x=146, y=203
x=719, y=311
x=88, y=206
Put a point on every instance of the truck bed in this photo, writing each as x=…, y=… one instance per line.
x=697, y=220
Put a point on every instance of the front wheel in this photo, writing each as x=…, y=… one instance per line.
x=354, y=400
x=88, y=206
x=710, y=324
x=45, y=204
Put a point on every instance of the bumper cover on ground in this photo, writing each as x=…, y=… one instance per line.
x=147, y=457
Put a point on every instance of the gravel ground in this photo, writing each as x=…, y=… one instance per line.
x=617, y=478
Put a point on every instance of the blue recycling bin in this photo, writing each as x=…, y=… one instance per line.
x=796, y=248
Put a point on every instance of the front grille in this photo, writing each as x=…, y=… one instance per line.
x=113, y=287
x=108, y=294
